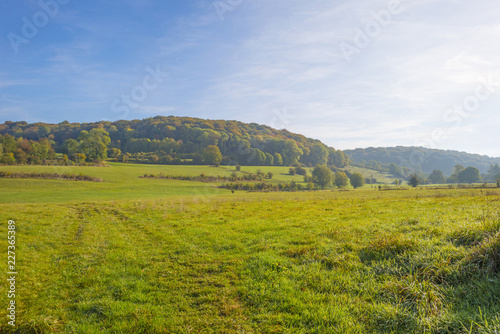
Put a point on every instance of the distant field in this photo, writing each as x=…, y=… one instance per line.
x=121, y=181
x=370, y=173
x=361, y=261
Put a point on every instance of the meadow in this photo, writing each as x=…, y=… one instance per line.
x=132, y=255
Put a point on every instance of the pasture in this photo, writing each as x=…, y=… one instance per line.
x=132, y=255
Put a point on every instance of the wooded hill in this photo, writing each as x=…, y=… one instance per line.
x=419, y=159
x=182, y=140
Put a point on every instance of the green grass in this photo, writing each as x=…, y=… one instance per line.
x=370, y=173
x=365, y=261
x=121, y=182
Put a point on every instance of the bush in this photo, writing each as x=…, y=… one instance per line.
x=300, y=171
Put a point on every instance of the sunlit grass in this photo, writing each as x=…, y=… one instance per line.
x=322, y=262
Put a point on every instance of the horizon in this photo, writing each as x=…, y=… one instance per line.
x=234, y=120
x=352, y=74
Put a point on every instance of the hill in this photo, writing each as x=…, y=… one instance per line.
x=420, y=159
x=184, y=140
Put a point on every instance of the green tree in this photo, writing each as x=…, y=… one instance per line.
x=8, y=159
x=357, y=180
x=341, y=180
x=269, y=159
x=94, y=144
x=114, y=153
x=291, y=153
x=322, y=176
x=42, y=150
x=469, y=175
x=212, y=155
x=414, y=180
x=494, y=172
x=318, y=155
x=71, y=148
x=437, y=177
x=395, y=170
x=456, y=171
x=278, y=160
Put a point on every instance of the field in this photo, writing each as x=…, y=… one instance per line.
x=121, y=181
x=132, y=255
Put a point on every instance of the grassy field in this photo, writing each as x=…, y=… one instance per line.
x=121, y=181
x=371, y=173
x=143, y=261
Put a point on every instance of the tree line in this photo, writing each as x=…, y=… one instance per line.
x=460, y=174
x=178, y=140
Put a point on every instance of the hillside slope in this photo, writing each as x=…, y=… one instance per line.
x=176, y=140
x=421, y=159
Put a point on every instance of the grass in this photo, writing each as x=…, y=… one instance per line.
x=365, y=261
x=121, y=182
x=371, y=173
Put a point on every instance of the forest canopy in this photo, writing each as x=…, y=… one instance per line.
x=170, y=140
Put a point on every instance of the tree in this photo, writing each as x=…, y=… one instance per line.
x=94, y=144
x=456, y=171
x=291, y=153
x=322, y=176
x=300, y=171
x=8, y=159
x=114, y=153
x=278, y=160
x=395, y=170
x=494, y=172
x=270, y=175
x=71, y=149
x=269, y=159
x=357, y=180
x=469, y=175
x=437, y=177
x=414, y=180
x=42, y=150
x=318, y=155
x=212, y=155
x=341, y=180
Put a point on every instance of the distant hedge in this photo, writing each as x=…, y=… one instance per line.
x=54, y=176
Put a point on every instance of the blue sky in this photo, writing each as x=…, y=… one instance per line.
x=353, y=73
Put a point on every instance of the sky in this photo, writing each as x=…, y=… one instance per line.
x=354, y=74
